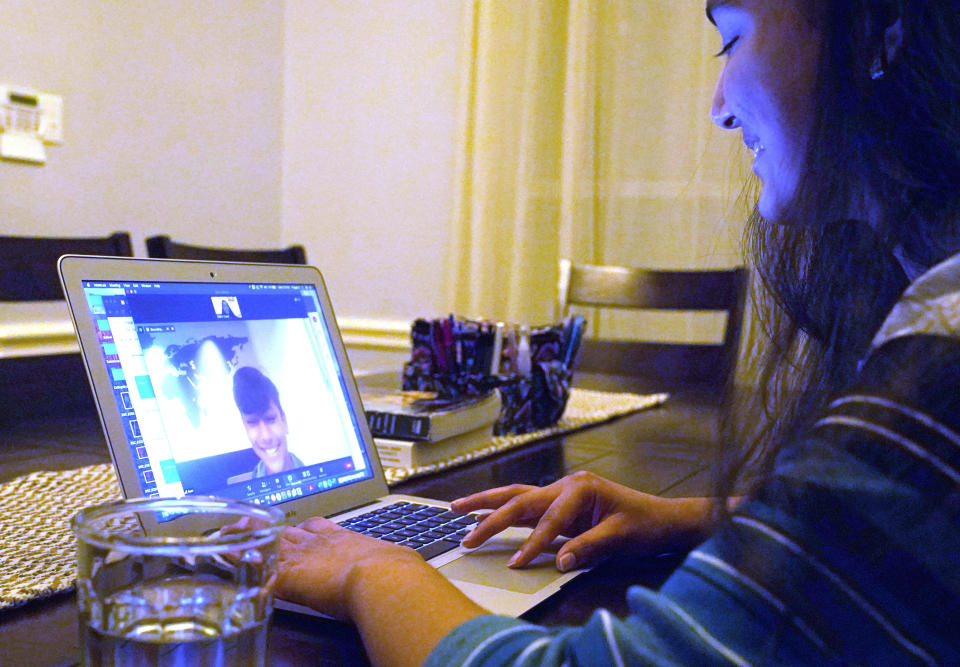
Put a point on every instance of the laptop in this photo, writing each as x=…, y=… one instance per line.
x=179, y=353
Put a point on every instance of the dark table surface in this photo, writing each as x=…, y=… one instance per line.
x=666, y=450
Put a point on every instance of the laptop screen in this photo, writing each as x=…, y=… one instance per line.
x=227, y=389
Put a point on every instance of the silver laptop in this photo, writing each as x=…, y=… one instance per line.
x=231, y=379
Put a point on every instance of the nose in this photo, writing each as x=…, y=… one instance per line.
x=719, y=111
x=261, y=432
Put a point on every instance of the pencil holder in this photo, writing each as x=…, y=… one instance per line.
x=535, y=401
x=532, y=367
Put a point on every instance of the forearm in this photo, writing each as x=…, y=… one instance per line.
x=659, y=525
x=403, y=608
x=679, y=523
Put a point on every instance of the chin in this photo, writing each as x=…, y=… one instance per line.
x=270, y=461
x=770, y=208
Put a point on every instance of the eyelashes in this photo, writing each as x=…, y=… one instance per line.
x=726, y=48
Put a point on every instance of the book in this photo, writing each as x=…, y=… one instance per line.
x=406, y=415
x=414, y=453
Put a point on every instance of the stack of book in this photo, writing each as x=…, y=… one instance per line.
x=412, y=429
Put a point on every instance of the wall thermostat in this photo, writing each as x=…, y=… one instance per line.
x=28, y=120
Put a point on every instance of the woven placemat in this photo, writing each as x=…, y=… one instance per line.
x=584, y=408
x=37, y=549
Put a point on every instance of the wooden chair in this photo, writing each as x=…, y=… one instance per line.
x=666, y=365
x=162, y=247
x=46, y=386
x=28, y=264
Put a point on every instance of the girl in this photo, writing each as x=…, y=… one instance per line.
x=843, y=547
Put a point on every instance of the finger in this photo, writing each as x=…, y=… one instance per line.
x=556, y=519
x=522, y=510
x=240, y=526
x=308, y=530
x=489, y=499
x=317, y=525
x=592, y=545
x=294, y=534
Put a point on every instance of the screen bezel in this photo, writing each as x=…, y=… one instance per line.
x=75, y=269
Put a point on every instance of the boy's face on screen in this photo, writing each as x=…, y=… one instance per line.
x=267, y=432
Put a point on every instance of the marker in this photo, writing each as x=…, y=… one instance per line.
x=523, y=352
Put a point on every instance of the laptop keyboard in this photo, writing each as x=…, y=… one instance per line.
x=429, y=530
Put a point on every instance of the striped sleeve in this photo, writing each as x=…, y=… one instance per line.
x=604, y=640
x=846, y=555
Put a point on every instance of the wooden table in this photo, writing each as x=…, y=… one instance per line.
x=665, y=450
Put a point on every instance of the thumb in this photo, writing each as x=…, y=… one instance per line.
x=590, y=546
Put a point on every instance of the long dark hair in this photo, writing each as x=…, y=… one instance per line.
x=880, y=190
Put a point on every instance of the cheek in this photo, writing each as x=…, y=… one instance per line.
x=750, y=90
x=795, y=105
x=795, y=95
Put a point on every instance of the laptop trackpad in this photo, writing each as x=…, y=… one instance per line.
x=487, y=566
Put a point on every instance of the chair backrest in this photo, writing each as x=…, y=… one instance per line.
x=45, y=385
x=28, y=264
x=162, y=247
x=665, y=364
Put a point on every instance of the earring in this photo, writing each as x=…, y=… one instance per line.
x=878, y=66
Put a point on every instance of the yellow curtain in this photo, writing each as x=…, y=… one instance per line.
x=584, y=133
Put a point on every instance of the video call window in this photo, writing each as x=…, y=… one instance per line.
x=236, y=387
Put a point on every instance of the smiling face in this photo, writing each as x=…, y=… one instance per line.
x=267, y=432
x=766, y=89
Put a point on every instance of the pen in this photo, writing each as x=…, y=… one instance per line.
x=457, y=333
x=510, y=352
x=436, y=337
x=484, y=348
x=497, y=348
x=448, y=344
x=573, y=341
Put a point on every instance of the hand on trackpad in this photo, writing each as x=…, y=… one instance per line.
x=487, y=566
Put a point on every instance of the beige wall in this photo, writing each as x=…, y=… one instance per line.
x=172, y=117
x=370, y=112
x=249, y=124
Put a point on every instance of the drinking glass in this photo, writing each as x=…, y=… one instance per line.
x=175, y=581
